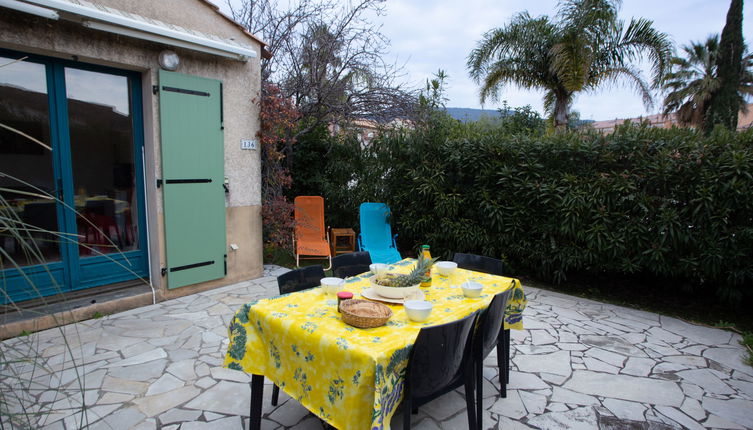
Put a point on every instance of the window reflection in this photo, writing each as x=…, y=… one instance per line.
x=27, y=183
x=101, y=134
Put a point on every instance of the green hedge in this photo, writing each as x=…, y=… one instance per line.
x=666, y=203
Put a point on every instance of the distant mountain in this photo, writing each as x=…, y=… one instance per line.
x=469, y=115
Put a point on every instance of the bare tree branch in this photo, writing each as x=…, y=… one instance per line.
x=329, y=59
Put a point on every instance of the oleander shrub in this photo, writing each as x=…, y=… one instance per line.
x=667, y=203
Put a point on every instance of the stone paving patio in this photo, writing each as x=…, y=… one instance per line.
x=579, y=365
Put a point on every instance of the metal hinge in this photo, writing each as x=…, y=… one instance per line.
x=226, y=264
x=164, y=271
x=155, y=89
x=159, y=183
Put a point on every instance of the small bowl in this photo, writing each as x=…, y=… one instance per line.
x=418, y=310
x=446, y=268
x=378, y=268
x=471, y=289
x=332, y=285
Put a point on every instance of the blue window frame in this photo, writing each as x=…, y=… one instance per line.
x=82, y=197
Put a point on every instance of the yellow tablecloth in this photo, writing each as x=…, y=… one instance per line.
x=352, y=378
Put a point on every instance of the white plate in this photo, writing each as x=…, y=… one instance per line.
x=369, y=293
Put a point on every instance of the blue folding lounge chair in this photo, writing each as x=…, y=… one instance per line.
x=376, y=234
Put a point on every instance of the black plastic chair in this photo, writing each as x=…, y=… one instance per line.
x=297, y=280
x=351, y=264
x=485, y=338
x=439, y=362
x=492, y=266
x=479, y=263
x=300, y=279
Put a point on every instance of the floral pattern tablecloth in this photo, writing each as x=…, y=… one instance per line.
x=352, y=378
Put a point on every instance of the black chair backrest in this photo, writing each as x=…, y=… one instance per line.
x=351, y=264
x=479, y=263
x=437, y=357
x=490, y=323
x=42, y=215
x=300, y=279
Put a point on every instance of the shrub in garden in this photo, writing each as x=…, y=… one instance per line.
x=667, y=203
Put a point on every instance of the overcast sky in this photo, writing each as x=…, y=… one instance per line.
x=427, y=35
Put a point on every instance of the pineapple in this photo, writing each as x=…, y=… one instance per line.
x=415, y=276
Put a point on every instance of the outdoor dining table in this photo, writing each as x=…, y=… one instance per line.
x=351, y=378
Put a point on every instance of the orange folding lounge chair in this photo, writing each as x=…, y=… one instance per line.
x=311, y=241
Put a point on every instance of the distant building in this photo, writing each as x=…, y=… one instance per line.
x=365, y=129
x=744, y=121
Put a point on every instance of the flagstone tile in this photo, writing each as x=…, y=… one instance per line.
x=736, y=410
x=525, y=381
x=222, y=424
x=692, y=408
x=563, y=395
x=109, y=398
x=717, y=422
x=625, y=387
x=541, y=337
x=577, y=419
x=606, y=356
x=557, y=363
x=536, y=349
x=553, y=379
x=666, y=367
x=638, y=366
x=183, y=369
x=599, y=366
x=729, y=357
x=158, y=403
x=289, y=414
x=511, y=407
x=202, y=369
x=534, y=403
x=706, y=380
x=147, y=424
x=688, y=360
x=164, y=383
x=679, y=417
x=140, y=372
x=624, y=409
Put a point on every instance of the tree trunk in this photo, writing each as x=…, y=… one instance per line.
x=561, y=114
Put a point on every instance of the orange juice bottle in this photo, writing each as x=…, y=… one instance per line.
x=427, y=256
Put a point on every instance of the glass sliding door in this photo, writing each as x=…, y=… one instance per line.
x=100, y=125
x=70, y=177
x=29, y=212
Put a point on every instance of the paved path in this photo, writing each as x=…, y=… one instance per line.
x=579, y=365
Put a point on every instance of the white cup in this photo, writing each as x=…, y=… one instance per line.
x=379, y=269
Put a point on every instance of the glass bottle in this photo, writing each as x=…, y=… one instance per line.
x=427, y=256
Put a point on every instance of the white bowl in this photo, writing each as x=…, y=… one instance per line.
x=418, y=310
x=471, y=289
x=446, y=268
x=393, y=292
x=332, y=285
x=378, y=268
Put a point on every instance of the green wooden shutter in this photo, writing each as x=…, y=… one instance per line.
x=192, y=178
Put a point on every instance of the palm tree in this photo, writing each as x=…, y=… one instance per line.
x=587, y=46
x=692, y=81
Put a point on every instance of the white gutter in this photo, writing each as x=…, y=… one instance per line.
x=34, y=10
x=102, y=19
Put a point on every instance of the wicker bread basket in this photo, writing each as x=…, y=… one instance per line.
x=364, y=313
